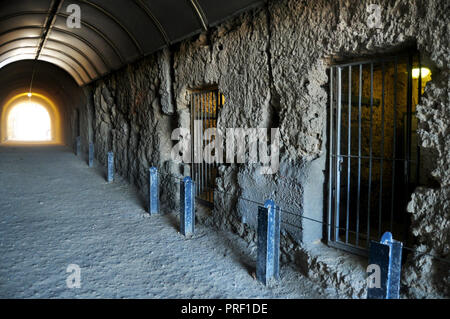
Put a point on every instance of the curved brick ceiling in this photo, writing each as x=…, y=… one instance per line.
x=113, y=32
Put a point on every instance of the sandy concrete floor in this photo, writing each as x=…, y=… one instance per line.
x=55, y=211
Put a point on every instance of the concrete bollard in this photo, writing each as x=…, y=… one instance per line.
x=385, y=260
x=187, y=207
x=91, y=155
x=110, y=176
x=77, y=145
x=268, y=262
x=153, y=206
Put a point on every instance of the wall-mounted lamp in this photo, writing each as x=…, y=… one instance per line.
x=424, y=72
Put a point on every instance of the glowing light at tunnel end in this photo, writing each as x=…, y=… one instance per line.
x=29, y=121
x=46, y=111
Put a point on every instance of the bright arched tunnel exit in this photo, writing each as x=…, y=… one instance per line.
x=38, y=104
x=30, y=118
x=29, y=122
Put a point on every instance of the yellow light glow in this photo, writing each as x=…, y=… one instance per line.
x=416, y=72
x=29, y=121
x=29, y=94
x=21, y=98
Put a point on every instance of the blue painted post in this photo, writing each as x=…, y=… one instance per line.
x=91, y=155
x=110, y=167
x=386, y=256
x=77, y=145
x=187, y=207
x=268, y=262
x=153, y=206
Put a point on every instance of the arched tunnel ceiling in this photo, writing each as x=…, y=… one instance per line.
x=113, y=33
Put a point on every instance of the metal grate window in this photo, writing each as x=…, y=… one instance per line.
x=205, y=105
x=374, y=159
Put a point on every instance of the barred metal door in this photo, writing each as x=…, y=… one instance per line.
x=373, y=153
x=204, y=107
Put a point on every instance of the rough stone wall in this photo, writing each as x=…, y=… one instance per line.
x=222, y=58
x=430, y=207
x=271, y=65
x=306, y=32
x=129, y=121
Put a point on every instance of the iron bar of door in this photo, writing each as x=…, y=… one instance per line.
x=207, y=168
x=349, y=135
x=376, y=158
x=193, y=104
x=359, y=152
x=197, y=145
x=338, y=153
x=207, y=165
x=193, y=137
x=408, y=120
x=408, y=126
x=394, y=147
x=380, y=200
x=200, y=135
x=330, y=156
x=191, y=134
x=359, y=250
x=208, y=125
x=204, y=114
x=200, y=144
x=370, y=154
x=371, y=61
x=215, y=107
x=213, y=165
x=202, y=138
x=408, y=131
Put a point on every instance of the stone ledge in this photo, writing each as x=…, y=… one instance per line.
x=333, y=268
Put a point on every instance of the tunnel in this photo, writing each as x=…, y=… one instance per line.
x=54, y=91
x=200, y=149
